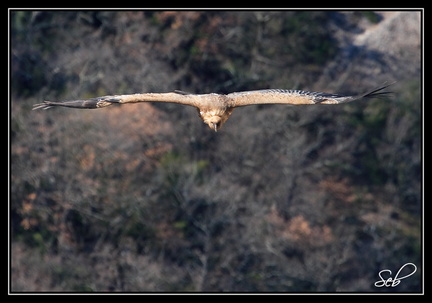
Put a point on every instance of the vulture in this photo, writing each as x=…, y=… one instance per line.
x=215, y=109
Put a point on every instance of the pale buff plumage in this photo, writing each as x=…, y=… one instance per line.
x=215, y=109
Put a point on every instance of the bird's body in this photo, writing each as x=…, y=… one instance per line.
x=215, y=109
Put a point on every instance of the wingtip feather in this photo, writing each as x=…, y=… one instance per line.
x=45, y=105
x=377, y=92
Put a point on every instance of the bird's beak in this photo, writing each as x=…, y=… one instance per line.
x=214, y=126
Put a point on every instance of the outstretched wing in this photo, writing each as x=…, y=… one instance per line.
x=297, y=97
x=99, y=102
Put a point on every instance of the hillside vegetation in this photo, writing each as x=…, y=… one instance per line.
x=145, y=198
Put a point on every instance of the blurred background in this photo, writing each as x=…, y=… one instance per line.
x=145, y=198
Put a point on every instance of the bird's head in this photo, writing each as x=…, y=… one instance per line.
x=212, y=119
x=215, y=118
x=214, y=122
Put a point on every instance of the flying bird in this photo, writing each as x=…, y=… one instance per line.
x=215, y=109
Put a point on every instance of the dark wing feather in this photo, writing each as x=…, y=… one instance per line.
x=85, y=103
x=374, y=93
x=298, y=97
x=175, y=97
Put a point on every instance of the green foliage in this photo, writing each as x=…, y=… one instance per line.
x=176, y=169
x=371, y=16
x=309, y=41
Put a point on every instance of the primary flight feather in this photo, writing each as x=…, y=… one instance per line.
x=215, y=109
